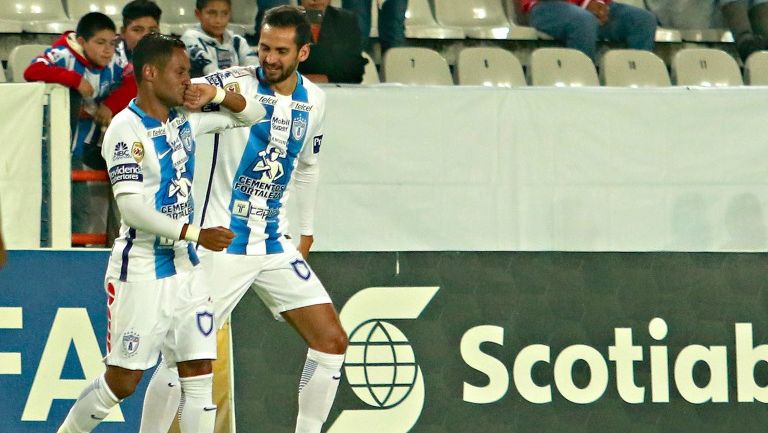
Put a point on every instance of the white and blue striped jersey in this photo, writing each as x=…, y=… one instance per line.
x=207, y=54
x=252, y=167
x=157, y=160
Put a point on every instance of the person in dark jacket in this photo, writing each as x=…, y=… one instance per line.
x=335, y=56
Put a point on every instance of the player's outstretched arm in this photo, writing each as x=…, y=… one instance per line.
x=215, y=238
x=241, y=111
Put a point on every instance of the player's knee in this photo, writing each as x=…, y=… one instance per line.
x=338, y=342
x=122, y=382
x=198, y=367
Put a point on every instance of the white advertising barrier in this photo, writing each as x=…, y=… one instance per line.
x=21, y=127
x=589, y=169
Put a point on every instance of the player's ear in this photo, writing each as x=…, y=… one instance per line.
x=303, y=52
x=148, y=72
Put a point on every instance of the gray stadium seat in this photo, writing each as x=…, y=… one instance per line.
x=489, y=66
x=410, y=65
x=707, y=35
x=243, y=16
x=39, y=16
x=480, y=19
x=756, y=69
x=420, y=24
x=633, y=68
x=178, y=15
x=111, y=8
x=370, y=75
x=3, y=79
x=561, y=67
x=705, y=67
x=20, y=57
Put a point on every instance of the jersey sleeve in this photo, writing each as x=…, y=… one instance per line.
x=246, y=54
x=200, y=59
x=215, y=118
x=52, y=67
x=122, y=150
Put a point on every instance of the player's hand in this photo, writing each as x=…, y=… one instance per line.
x=599, y=9
x=85, y=88
x=305, y=243
x=215, y=238
x=197, y=95
x=103, y=115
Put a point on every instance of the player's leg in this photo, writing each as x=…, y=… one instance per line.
x=132, y=347
x=197, y=413
x=161, y=400
x=319, y=326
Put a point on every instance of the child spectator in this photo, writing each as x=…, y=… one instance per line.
x=211, y=46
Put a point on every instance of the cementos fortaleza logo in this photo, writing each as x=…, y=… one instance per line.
x=381, y=366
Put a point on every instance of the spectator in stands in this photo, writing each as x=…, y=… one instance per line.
x=139, y=18
x=211, y=46
x=335, y=55
x=748, y=21
x=85, y=61
x=391, y=23
x=581, y=23
x=685, y=14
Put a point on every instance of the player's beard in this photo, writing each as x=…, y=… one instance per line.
x=285, y=73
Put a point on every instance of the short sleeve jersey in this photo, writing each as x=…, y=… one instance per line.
x=252, y=167
x=156, y=160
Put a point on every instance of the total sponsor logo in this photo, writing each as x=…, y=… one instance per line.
x=125, y=172
x=266, y=99
x=280, y=124
x=121, y=151
x=301, y=106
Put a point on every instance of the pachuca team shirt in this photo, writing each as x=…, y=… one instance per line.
x=253, y=167
x=155, y=159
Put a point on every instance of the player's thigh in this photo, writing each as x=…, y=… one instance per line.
x=191, y=335
x=287, y=282
x=139, y=317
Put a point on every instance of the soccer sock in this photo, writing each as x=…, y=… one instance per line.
x=161, y=401
x=90, y=409
x=317, y=389
x=197, y=413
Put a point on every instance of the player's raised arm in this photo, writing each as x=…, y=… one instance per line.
x=239, y=110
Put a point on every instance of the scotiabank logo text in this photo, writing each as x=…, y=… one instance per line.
x=666, y=371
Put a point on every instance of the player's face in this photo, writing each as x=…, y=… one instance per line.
x=278, y=54
x=137, y=29
x=171, y=81
x=214, y=18
x=100, y=48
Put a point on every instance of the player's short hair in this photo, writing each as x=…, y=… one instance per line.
x=154, y=49
x=139, y=9
x=200, y=4
x=93, y=22
x=290, y=16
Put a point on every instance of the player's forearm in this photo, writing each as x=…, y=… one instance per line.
x=306, y=182
x=245, y=111
x=141, y=216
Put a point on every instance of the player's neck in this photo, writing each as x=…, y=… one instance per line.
x=287, y=86
x=152, y=106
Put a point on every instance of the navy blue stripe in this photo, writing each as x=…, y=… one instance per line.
x=126, y=250
x=210, y=178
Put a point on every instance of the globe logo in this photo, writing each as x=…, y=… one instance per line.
x=380, y=365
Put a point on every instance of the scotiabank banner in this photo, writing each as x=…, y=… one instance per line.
x=525, y=342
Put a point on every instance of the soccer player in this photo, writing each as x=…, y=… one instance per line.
x=248, y=194
x=149, y=149
x=211, y=46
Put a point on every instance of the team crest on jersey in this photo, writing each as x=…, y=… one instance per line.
x=137, y=150
x=121, y=151
x=232, y=87
x=131, y=341
x=185, y=135
x=298, y=128
x=205, y=323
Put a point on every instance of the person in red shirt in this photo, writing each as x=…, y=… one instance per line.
x=581, y=23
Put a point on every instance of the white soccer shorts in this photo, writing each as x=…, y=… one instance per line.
x=149, y=317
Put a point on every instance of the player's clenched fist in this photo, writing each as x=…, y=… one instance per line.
x=198, y=94
x=215, y=238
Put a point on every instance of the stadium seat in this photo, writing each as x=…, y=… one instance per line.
x=561, y=67
x=633, y=68
x=20, y=57
x=410, y=65
x=707, y=35
x=705, y=67
x=111, y=8
x=243, y=16
x=39, y=16
x=662, y=34
x=420, y=24
x=370, y=75
x=480, y=19
x=489, y=66
x=756, y=69
x=3, y=79
x=178, y=15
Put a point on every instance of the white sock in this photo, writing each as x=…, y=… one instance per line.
x=161, y=401
x=197, y=413
x=317, y=389
x=90, y=409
